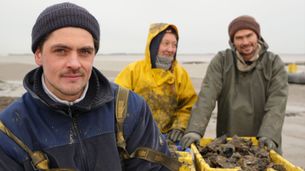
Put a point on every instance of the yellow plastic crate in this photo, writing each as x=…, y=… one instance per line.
x=187, y=160
x=292, y=68
x=201, y=165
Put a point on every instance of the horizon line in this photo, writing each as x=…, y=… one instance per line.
x=136, y=53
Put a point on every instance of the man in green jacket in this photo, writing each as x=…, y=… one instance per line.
x=250, y=86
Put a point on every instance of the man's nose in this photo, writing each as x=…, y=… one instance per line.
x=73, y=61
x=245, y=41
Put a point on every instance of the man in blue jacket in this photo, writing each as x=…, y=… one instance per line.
x=68, y=111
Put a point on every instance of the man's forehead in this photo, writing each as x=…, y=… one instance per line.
x=244, y=32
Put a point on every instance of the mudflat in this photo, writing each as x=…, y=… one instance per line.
x=12, y=71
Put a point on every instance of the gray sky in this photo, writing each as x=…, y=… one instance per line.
x=202, y=24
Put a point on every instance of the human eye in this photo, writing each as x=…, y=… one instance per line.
x=86, y=51
x=165, y=43
x=60, y=51
x=250, y=35
x=174, y=45
x=238, y=38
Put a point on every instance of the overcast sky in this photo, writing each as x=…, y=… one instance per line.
x=202, y=24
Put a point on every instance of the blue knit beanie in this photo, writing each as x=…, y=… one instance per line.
x=64, y=15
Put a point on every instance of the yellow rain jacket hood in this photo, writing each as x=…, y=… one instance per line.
x=169, y=93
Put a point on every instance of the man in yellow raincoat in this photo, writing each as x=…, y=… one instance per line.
x=162, y=81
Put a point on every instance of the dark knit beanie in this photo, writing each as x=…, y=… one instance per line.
x=64, y=15
x=243, y=22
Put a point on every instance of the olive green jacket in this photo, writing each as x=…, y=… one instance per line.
x=249, y=103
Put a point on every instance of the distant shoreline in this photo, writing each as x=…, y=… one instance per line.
x=142, y=54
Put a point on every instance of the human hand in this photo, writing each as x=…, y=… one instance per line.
x=175, y=135
x=189, y=138
x=267, y=142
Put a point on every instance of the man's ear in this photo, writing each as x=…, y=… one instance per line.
x=38, y=57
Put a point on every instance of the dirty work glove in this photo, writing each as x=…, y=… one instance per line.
x=266, y=142
x=189, y=138
x=175, y=135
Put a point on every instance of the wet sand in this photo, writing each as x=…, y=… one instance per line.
x=13, y=70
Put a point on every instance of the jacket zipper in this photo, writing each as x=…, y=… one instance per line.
x=84, y=162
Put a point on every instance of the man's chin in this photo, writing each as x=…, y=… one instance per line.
x=72, y=90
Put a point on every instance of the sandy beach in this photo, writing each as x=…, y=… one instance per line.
x=14, y=67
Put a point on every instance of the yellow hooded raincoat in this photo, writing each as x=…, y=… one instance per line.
x=170, y=94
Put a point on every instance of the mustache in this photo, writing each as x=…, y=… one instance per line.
x=75, y=72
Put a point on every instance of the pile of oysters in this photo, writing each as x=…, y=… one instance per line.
x=237, y=152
